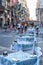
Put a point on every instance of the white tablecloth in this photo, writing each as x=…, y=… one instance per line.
x=19, y=58
x=22, y=45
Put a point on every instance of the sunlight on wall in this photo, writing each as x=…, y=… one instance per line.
x=32, y=8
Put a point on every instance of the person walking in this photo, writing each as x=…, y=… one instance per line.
x=25, y=27
x=10, y=26
x=19, y=27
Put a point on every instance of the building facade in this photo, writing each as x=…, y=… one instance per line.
x=24, y=5
x=20, y=13
x=39, y=11
x=2, y=8
x=23, y=12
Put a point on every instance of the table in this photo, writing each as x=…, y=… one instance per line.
x=25, y=45
x=40, y=30
x=31, y=30
x=22, y=45
x=19, y=58
x=25, y=38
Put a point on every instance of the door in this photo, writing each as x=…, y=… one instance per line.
x=1, y=22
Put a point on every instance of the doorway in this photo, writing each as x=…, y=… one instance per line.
x=1, y=22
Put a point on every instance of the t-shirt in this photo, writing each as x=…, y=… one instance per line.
x=25, y=24
x=19, y=25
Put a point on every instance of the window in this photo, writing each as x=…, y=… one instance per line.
x=0, y=2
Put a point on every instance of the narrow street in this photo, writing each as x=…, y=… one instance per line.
x=18, y=19
x=6, y=39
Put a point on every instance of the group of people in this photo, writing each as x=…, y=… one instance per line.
x=18, y=27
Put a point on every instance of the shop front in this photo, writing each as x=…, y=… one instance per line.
x=2, y=8
x=1, y=22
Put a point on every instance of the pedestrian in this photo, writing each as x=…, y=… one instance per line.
x=19, y=27
x=25, y=27
x=6, y=25
x=37, y=30
x=10, y=26
x=22, y=28
x=15, y=28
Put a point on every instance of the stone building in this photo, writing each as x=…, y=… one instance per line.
x=39, y=11
x=22, y=11
x=9, y=5
x=24, y=5
x=2, y=8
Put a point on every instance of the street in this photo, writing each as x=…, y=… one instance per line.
x=16, y=16
x=6, y=39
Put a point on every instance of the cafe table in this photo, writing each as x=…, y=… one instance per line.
x=18, y=58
